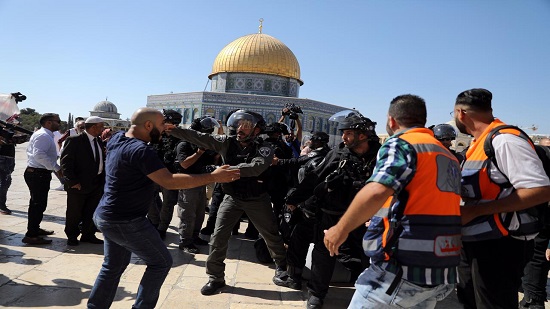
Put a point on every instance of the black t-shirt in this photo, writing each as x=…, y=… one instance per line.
x=128, y=190
x=186, y=149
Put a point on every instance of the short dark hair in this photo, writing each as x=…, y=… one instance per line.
x=78, y=119
x=408, y=110
x=478, y=99
x=46, y=117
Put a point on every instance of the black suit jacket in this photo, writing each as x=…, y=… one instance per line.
x=78, y=164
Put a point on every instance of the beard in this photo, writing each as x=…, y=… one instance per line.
x=388, y=129
x=460, y=126
x=154, y=135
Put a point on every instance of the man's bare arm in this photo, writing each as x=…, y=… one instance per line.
x=365, y=205
x=518, y=200
x=186, y=181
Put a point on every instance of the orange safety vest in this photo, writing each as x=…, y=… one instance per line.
x=478, y=186
x=420, y=226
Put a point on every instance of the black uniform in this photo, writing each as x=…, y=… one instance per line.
x=279, y=176
x=301, y=234
x=335, y=182
x=166, y=149
x=245, y=195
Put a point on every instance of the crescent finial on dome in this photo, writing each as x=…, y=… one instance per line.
x=261, y=25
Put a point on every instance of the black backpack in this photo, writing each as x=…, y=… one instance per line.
x=543, y=152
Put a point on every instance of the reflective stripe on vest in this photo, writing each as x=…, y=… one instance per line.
x=431, y=218
x=477, y=186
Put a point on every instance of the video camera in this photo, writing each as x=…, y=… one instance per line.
x=13, y=134
x=291, y=110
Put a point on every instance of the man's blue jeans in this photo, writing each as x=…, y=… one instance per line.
x=122, y=238
x=372, y=284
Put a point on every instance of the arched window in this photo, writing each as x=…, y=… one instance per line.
x=195, y=114
x=186, y=116
x=210, y=112
x=270, y=118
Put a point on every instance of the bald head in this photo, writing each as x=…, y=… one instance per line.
x=544, y=141
x=145, y=114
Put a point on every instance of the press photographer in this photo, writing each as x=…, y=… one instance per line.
x=10, y=135
x=294, y=141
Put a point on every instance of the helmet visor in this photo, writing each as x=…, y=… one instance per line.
x=241, y=120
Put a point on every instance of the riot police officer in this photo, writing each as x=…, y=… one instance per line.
x=297, y=229
x=445, y=134
x=166, y=149
x=303, y=164
x=192, y=159
x=243, y=150
x=334, y=183
x=279, y=176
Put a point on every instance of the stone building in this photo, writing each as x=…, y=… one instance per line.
x=109, y=112
x=255, y=72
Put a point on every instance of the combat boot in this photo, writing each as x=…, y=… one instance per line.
x=292, y=280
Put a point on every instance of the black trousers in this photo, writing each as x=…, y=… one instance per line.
x=38, y=182
x=80, y=208
x=217, y=198
x=490, y=272
x=536, y=271
x=351, y=256
x=300, y=238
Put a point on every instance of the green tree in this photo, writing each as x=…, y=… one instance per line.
x=29, y=119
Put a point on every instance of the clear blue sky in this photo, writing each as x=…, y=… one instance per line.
x=68, y=55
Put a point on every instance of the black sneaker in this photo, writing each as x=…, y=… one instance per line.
x=212, y=287
x=288, y=282
x=531, y=304
x=280, y=275
x=36, y=241
x=314, y=302
x=189, y=248
x=43, y=232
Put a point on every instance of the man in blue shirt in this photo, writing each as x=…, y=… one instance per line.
x=132, y=167
x=41, y=161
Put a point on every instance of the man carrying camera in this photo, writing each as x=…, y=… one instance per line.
x=7, y=164
x=292, y=140
x=8, y=140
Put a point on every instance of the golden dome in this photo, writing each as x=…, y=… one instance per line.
x=257, y=53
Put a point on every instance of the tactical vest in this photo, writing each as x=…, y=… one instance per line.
x=420, y=226
x=315, y=157
x=341, y=186
x=478, y=186
x=245, y=187
x=166, y=150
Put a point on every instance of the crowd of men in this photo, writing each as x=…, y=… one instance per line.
x=411, y=219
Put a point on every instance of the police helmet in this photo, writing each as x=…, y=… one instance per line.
x=320, y=137
x=204, y=124
x=353, y=120
x=247, y=118
x=172, y=116
x=444, y=131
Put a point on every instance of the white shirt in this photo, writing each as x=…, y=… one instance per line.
x=42, y=151
x=92, y=144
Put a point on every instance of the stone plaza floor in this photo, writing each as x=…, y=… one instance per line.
x=59, y=276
